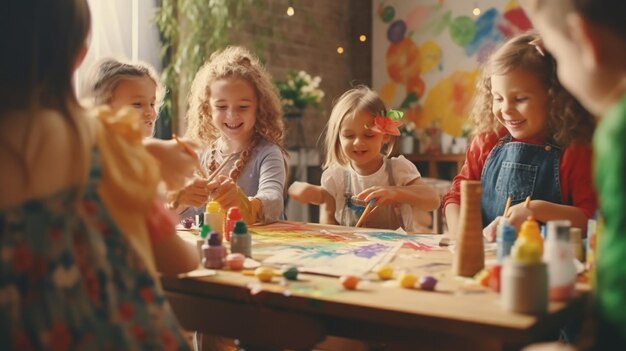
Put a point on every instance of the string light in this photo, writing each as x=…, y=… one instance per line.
x=476, y=11
x=362, y=38
x=340, y=50
x=290, y=10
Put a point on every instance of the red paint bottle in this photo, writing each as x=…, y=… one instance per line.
x=232, y=216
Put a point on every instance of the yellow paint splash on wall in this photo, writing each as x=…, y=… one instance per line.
x=449, y=101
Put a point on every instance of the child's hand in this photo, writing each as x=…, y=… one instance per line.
x=384, y=195
x=518, y=214
x=194, y=194
x=224, y=191
x=175, y=163
x=490, y=231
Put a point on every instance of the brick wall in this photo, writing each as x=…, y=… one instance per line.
x=308, y=41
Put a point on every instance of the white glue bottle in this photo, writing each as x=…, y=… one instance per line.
x=559, y=257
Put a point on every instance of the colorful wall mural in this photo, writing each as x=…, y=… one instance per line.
x=427, y=54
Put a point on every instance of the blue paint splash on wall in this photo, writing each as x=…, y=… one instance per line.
x=486, y=31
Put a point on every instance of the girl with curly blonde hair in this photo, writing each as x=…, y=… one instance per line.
x=532, y=139
x=235, y=110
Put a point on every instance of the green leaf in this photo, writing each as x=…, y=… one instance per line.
x=395, y=115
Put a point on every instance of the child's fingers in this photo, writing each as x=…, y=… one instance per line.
x=490, y=231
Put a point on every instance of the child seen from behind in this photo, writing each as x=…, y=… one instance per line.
x=75, y=272
x=588, y=40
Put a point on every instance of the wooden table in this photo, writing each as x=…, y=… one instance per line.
x=299, y=315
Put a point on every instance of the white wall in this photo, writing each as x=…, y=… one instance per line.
x=123, y=29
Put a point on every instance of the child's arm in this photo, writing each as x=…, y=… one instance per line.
x=416, y=193
x=544, y=211
x=452, y=212
x=172, y=254
x=174, y=163
x=327, y=208
x=315, y=194
x=306, y=193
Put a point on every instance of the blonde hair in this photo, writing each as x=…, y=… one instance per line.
x=354, y=101
x=567, y=120
x=106, y=74
x=237, y=62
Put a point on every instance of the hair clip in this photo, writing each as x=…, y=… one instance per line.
x=387, y=123
x=538, y=44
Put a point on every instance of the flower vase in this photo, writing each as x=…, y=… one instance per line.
x=406, y=145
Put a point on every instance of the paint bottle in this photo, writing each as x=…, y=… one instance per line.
x=214, y=217
x=505, y=239
x=560, y=260
x=528, y=246
x=213, y=253
x=204, y=234
x=524, y=277
x=232, y=216
x=241, y=240
x=524, y=286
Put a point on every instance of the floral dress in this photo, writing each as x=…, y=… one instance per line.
x=69, y=279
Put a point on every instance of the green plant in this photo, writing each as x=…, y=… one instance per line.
x=299, y=90
x=190, y=31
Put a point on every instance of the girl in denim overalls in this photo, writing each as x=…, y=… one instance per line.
x=532, y=139
x=356, y=172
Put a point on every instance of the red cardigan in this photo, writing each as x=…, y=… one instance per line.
x=574, y=170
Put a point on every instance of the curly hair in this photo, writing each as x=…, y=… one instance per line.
x=352, y=102
x=234, y=61
x=567, y=121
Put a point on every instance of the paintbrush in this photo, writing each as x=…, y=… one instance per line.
x=221, y=166
x=368, y=209
x=527, y=202
x=506, y=207
x=191, y=153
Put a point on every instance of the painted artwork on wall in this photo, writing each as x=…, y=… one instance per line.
x=427, y=55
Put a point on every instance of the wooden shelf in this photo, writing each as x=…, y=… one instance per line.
x=434, y=164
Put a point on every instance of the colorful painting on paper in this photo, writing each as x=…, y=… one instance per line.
x=336, y=259
x=427, y=54
x=332, y=252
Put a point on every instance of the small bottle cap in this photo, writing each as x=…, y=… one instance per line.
x=530, y=229
x=214, y=239
x=240, y=228
x=204, y=232
x=213, y=207
x=234, y=213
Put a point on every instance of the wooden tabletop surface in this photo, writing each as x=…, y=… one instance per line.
x=459, y=313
